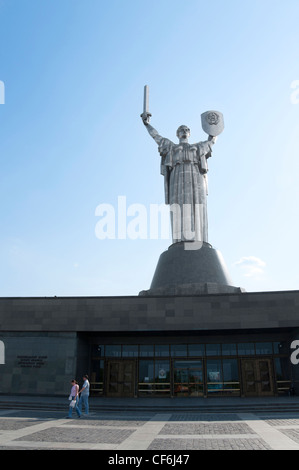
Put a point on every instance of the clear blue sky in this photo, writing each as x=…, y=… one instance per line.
x=71, y=137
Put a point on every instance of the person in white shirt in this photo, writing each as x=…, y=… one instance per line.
x=84, y=394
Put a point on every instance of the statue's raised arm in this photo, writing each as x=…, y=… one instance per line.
x=146, y=115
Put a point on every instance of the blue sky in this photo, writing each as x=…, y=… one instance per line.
x=71, y=137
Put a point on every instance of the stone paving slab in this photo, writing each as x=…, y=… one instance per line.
x=211, y=444
x=206, y=428
x=10, y=424
x=79, y=434
x=291, y=433
x=139, y=431
x=204, y=417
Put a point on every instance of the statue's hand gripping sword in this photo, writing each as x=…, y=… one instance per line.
x=146, y=115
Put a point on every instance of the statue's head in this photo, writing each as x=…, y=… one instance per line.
x=183, y=132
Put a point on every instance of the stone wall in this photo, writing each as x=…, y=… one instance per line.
x=38, y=363
x=168, y=313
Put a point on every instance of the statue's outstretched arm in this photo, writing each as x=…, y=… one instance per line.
x=206, y=150
x=152, y=132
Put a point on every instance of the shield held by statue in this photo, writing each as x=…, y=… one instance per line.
x=212, y=122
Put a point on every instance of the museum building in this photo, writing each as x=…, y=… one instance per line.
x=233, y=344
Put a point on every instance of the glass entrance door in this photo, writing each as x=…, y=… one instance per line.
x=188, y=378
x=257, y=377
x=120, y=378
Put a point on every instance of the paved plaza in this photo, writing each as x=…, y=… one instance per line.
x=139, y=430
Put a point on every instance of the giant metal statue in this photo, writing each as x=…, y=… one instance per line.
x=184, y=167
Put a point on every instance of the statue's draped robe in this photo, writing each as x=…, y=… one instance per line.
x=184, y=168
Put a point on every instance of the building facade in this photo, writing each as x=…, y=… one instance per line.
x=238, y=344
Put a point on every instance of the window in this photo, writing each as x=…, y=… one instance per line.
x=162, y=378
x=154, y=377
x=283, y=374
x=162, y=371
x=214, y=375
x=130, y=350
x=230, y=370
x=223, y=376
x=146, y=371
x=196, y=350
x=263, y=348
x=231, y=376
x=162, y=350
x=283, y=368
x=178, y=350
x=113, y=350
x=188, y=378
x=245, y=349
x=146, y=385
x=97, y=377
x=229, y=349
x=146, y=350
x=213, y=349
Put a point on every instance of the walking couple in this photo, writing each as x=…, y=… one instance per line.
x=74, y=396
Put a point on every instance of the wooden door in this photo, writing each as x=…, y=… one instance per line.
x=257, y=377
x=120, y=378
x=265, y=377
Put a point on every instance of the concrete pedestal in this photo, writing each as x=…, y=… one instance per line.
x=191, y=268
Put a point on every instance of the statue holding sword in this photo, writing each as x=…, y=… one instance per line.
x=184, y=167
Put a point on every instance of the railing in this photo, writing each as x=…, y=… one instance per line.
x=151, y=388
x=96, y=388
x=284, y=386
x=224, y=387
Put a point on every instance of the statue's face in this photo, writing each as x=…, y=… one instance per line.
x=183, y=132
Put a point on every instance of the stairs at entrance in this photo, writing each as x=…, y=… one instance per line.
x=203, y=405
